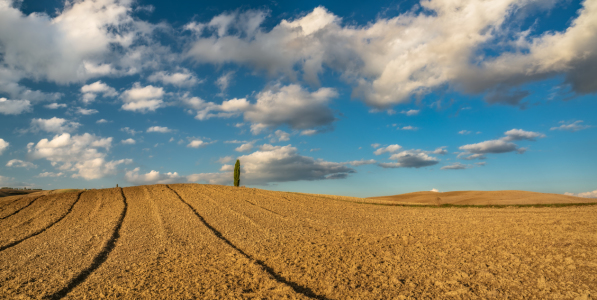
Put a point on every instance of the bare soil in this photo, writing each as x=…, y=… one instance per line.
x=480, y=198
x=189, y=241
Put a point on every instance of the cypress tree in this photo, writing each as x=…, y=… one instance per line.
x=237, y=173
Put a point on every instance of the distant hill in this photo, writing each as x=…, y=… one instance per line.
x=13, y=192
x=479, y=198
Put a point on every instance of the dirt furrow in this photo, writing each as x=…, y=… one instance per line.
x=39, y=222
x=164, y=251
x=45, y=264
x=22, y=205
x=302, y=290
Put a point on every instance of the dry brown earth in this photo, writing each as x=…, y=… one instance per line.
x=187, y=241
x=480, y=198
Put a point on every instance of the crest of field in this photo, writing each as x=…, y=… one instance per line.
x=478, y=198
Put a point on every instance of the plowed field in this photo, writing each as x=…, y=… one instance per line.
x=189, y=241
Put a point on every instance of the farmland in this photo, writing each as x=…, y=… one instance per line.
x=185, y=241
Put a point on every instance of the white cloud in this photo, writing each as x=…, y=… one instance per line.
x=90, y=91
x=434, y=190
x=390, y=60
x=86, y=112
x=571, y=126
x=376, y=145
x=159, y=129
x=102, y=121
x=281, y=136
x=224, y=81
x=389, y=149
x=456, y=166
x=85, y=39
x=130, y=131
x=55, y=105
x=142, y=99
x=592, y=194
x=245, y=147
x=412, y=112
x=54, y=125
x=278, y=105
x=502, y=145
x=411, y=159
x=129, y=141
x=408, y=128
x=17, y=163
x=50, y=174
x=153, y=177
x=362, y=162
x=196, y=144
x=464, y=132
x=519, y=134
x=3, y=145
x=181, y=79
x=14, y=107
x=283, y=163
x=78, y=153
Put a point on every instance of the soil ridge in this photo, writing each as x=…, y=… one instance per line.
x=295, y=286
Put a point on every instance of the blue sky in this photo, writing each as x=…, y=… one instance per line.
x=350, y=98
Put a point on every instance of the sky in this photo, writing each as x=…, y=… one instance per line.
x=357, y=98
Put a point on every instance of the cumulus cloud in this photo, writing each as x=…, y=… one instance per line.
x=86, y=112
x=54, y=125
x=224, y=81
x=14, y=107
x=571, y=126
x=142, y=99
x=90, y=91
x=463, y=132
x=390, y=60
x=17, y=163
x=129, y=141
x=389, y=149
x=277, y=164
x=280, y=136
x=84, y=154
x=290, y=105
x=456, y=166
x=519, y=134
x=434, y=190
x=411, y=112
x=184, y=78
x=410, y=159
x=153, y=177
x=55, y=106
x=83, y=40
x=502, y=145
x=159, y=129
x=592, y=194
x=408, y=128
x=3, y=145
x=375, y=145
x=130, y=131
x=102, y=121
x=356, y=163
x=196, y=144
x=245, y=147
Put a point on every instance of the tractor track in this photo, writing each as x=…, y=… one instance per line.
x=295, y=286
x=40, y=231
x=98, y=259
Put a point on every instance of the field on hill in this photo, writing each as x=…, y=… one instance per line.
x=186, y=241
x=480, y=198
